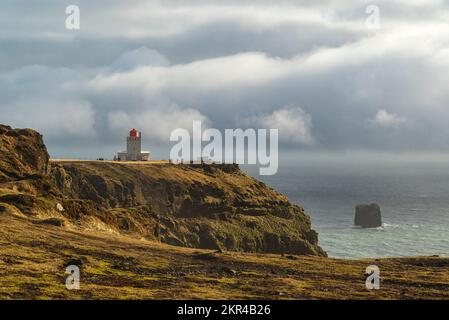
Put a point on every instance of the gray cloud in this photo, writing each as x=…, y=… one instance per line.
x=293, y=123
x=158, y=65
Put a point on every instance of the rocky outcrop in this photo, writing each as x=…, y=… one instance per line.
x=22, y=154
x=368, y=216
x=201, y=206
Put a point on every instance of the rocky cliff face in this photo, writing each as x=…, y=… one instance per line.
x=202, y=206
x=205, y=206
x=22, y=154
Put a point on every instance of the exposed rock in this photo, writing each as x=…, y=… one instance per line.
x=229, y=271
x=368, y=216
x=22, y=154
x=59, y=207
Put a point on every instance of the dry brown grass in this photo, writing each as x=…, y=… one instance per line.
x=33, y=258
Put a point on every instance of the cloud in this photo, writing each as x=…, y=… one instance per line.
x=383, y=118
x=57, y=120
x=156, y=125
x=159, y=65
x=139, y=57
x=293, y=123
x=244, y=70
x=49, y=100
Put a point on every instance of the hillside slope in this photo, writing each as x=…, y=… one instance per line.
x=33, y=258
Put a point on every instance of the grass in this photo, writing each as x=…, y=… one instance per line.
x=33, y=259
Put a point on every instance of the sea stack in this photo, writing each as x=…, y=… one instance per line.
x=368, y=216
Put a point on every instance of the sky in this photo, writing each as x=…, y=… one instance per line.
x=315, y=70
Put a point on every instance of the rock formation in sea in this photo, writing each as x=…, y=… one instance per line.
x=368, y=216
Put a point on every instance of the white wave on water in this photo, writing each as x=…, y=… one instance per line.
x=392, y=239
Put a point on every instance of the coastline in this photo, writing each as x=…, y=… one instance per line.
x=105, y=219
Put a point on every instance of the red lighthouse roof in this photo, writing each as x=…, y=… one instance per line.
x=133, y=133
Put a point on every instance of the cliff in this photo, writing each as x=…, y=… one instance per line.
x=202, y=206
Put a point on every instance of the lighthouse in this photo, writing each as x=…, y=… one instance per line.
x=133, y=148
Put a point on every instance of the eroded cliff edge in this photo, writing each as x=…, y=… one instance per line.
x=202, y=206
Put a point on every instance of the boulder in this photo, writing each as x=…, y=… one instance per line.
x=368, y=216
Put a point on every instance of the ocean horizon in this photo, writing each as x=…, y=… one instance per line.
x=414, y=204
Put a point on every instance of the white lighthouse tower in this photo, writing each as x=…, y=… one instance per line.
x=134, y=148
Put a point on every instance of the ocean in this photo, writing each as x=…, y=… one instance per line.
x=414, y=205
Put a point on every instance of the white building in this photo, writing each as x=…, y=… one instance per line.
x=133, y=148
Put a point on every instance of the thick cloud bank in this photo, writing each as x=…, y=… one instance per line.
x=313, y=70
